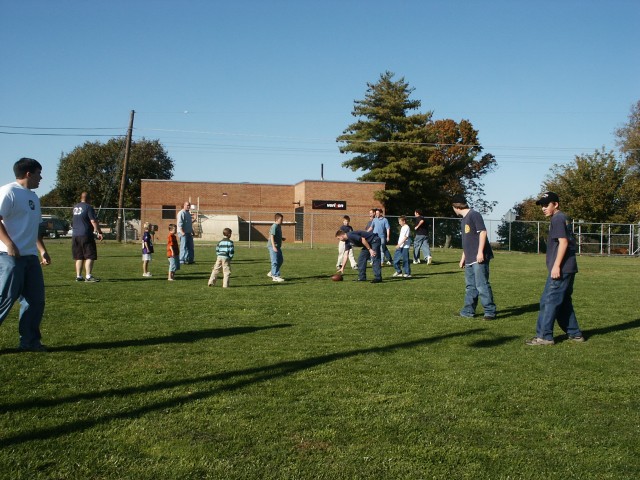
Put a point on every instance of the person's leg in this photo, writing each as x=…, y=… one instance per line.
x=191, y=254
x=79, y=264
x=88, y=267
x=214, y=273
x=377, y=261
x=427, y=250
x=550, y=303
x=566, y=315
x=352, y=259
x=340, y=253
x=183, y=248
x=32, y=303
x=273, y=257
x=483, y=286
x=397, y=258
x=471, y=293
x=417, y=246
x=226, y=272
x=280, y=258
x=405, y=261
x=11, y=281
x=363, y=258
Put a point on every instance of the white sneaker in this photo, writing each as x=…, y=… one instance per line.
x=396, y=274
x=407, y=275
x=148, y=274
x=277, y=279
x=416, y=262
x=428, y=260
x=388, y=262
x=269, y=275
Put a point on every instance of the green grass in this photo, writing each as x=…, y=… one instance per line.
x=313, y=379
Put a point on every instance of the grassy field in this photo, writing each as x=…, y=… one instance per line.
x=313, y=379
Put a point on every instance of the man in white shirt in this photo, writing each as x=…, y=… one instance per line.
x=20, y=242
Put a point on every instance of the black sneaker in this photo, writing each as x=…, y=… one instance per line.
x=576, y=338
x=92, y=279
x=376, y=280
x=79, y=279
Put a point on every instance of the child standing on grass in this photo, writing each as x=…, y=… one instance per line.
x=224, y=251
x=274, y=245
x=402, y=250
x=147, y=250
x=346, y=228
x=556, y=302
x=173, y=252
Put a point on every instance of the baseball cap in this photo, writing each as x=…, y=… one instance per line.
x=459, y=199
x=547, y=198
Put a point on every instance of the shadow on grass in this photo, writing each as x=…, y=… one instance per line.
x=520, y=310
x=179, y=337
x=235, y=378
x=493, y=342
x=612, y=328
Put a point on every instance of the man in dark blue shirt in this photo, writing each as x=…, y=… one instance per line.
x=370, y=243
x=83, y=242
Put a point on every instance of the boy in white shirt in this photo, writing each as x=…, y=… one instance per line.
x=402, y=250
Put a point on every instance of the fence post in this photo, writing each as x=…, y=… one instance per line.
x=249, y=228
x=538, y=235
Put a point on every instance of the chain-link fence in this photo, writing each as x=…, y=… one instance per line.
x=316, y=229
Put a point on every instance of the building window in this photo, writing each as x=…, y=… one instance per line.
x=169, y=212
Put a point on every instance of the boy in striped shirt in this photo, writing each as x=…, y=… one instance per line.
x=224, y=251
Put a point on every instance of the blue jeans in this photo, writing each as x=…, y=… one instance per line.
x=276, y=260
x=402, y=255
x=476, y=277
x=21, y=278
x=363, y=259
x=384, y=250
x=556, y=304
x=186, y=248
x=421, y=243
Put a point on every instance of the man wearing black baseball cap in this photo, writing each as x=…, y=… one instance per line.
x=556, y=303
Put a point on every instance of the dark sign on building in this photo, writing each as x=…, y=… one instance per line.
x=329, y=204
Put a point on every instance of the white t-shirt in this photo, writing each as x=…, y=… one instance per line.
x=404, y=233
x=21, y=217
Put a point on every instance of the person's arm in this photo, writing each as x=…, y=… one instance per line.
x=563, y=245
x=12, y=249
x=367, y=245
x=481, y=244
x=419, y=224
x=272, y=239
x=462, y=260
x=46, y=259
x=96, y=228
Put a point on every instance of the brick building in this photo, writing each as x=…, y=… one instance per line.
x=312, y=209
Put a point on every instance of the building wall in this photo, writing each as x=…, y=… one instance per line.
x=256, y=204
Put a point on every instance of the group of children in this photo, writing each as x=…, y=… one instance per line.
x=224, y=252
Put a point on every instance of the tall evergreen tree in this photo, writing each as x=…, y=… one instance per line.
x=422, y=162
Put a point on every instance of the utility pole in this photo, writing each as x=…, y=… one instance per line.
x=123, y=181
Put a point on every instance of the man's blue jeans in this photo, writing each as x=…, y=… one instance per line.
x=402, y=255
x=363, y=259
x=421, y=243
x=21, y=278
x=556, y=304
x=186, y=248
x=384, y=250
x=478, y=287
x=276, y=260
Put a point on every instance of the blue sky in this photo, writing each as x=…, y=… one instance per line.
x=257, y=91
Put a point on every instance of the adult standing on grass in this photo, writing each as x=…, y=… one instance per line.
x=83, y=241
x=370, y=243
x=556, y=302
x=274, y=245
x=421, y=242
x=476, y=255
x=382, y=228
x=20, y=241
x=185, y=232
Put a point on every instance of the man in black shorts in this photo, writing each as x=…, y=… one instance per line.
x=83, y=242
